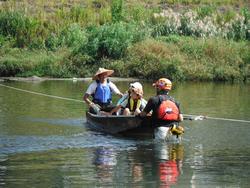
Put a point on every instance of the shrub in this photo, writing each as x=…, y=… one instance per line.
x=110, y=40
x=207, y=10
x=52, y=42
x=116, y=10
x=78, y=64
x=229, y=73
x=11, y=67
x=190, y=23
x=169, y=39
x=119, y=67
x=2, y=40
x=17, y=25
x=73, y=36
x=151, y=59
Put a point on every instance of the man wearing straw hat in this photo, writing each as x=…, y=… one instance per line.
x=101, y=91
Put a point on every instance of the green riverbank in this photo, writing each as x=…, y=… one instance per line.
x=183, y=40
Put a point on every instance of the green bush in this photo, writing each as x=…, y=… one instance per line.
x=79, y=64
x=73, y=36
x=2, y=40
x=169, y=39
x=52, y=42
x=119, y=67
x=110, y=40
x=152, y=59
x=17, y=25
x=11, y=67
x=116, y=10
x=246, y=14
x=227, y=73
x=206, y=10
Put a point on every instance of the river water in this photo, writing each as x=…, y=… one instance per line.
x=44, y=141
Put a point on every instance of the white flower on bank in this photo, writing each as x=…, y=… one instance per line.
x=189, y=23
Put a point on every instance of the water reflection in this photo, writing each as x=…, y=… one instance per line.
x=104, y=160
x=170, y=158
x=3, y=169
x=160, y=161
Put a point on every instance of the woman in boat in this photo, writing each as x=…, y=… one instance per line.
x=134, y=103
x=166, y=112
x=101, y=90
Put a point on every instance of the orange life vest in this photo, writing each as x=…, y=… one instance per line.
x=168, y=111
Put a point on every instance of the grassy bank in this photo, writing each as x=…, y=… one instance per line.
x=182, y=40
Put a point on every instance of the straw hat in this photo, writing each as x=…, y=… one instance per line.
x=107, y=72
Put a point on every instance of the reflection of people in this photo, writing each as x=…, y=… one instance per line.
x=105, y=156
x=132, y=103
x=137, y=172
x=166, y=111
x=101, y=91
x=171, y=157
x=105, y=160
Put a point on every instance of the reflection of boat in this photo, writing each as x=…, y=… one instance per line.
x=131, y=126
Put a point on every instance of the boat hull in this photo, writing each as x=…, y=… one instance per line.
x=130, y=126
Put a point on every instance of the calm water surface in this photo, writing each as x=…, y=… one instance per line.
x=44, y=141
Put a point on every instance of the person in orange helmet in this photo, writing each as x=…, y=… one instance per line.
x=166, y=112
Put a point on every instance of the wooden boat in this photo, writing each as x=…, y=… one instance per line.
x=130, y=126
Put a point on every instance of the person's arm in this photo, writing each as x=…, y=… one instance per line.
x=147, y=108
x=122, y=99
x=114, y=110
x=122, y=105
x=180, y=117
x=90, y=90
x=87, y=100
x=115, y=89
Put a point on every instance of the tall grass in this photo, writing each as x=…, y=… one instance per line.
x=136, y=38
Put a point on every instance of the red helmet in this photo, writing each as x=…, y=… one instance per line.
x=163, y=84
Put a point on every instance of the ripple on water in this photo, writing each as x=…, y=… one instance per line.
x=88, y=139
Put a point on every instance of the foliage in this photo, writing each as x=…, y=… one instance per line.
x=201, y=41
x=110, y=40
x=153, y=59
x=15, y=24
x=201, y=24
x=190, y=59
x=116, y=10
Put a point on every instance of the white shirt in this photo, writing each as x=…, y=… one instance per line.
x=92, y=87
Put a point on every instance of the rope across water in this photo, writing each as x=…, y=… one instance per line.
x=194, y=117
x=42, y=94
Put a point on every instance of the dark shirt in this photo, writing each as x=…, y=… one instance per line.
x=153, y=104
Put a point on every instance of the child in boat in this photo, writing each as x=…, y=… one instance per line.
x=133, y=104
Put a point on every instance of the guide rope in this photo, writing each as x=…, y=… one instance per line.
x=192, y=117
x=42, y=94
x=202, y=117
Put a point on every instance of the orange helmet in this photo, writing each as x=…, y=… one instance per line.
x=163, y=84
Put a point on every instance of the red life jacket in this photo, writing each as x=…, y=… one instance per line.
x=168, y=110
